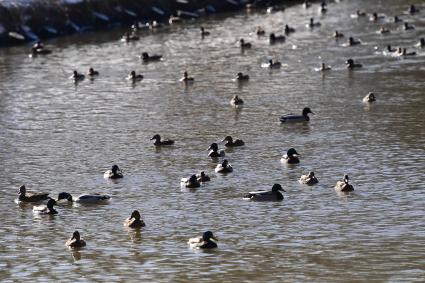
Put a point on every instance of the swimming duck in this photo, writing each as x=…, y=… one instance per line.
x=186, y=78
x=224, y=167
x=352, y=41
x=76, y=76
x=273, y=64
x=114, y=173
x=127, y=37
x=202, y=177
x=89, y=198
x=214, y=152
x=312, y=24
x=307, y=4
x=297, y=118
x=291, y=157
x=421, y=43
x=240, y=77
x=230, y=142
x=344, y=186
x=408, y=26
x=204, y=242
x=134, y=77
x=323, y=67
x=397, y=19
x=260, y=31
x=338, y=34
x=375, y=17
x=360, y=13
x=273, y=195
x=31, y=197
x=134, y=221
x=46, y=209
x=413, y=9
x=289, y=30
x=159, y=142
x=191, y=182
x=351, y=65
x=150, y=58
x=309, y=179
x=383, y=30
x=323, y=8
x=75, y=242
x=370, y=97
x=38, y=49
x=276, y=38
x=92, y=73
x=236, y=101
x=403, y=52
x=244, y=45
x=204, y=32
x=174, y=20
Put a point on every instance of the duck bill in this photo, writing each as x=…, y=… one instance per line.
x=214, y=238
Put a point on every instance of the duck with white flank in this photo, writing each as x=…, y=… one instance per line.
x=230, y=142
x=224, y=167
x=291, y=157
x=191, y=182
x=150, y=58
x=244, y=45
x=134, y=221
x=76, y=77
x=240, y=77
x=31, y=197
x=214, y=152
x=309, y=179
x=113, y=173
x=85, y=198
x=134, y=77
x=297, y=118
x=75, y=242
x=344, y=186
x=370, y=97
x=276, y=38
x=289, y=30
x=351, y=65
x=207, y=241
x=46, y=209
x=313, y=24
x=186, y=78
x=159, y=142
x=202, y=177
x=273, y=195
x=236, y=101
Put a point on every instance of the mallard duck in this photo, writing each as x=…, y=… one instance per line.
x=351, y=65
x=352, y=41
x=77, y=76
x=413, y=10
x=191, y=182
x=134, y=221
x=313, y=24
x=186, y=78
x=114, y=173
x=244, y=45
x=408, y=26
x=397, y=19
x=291, y=157
x=204, y=242
x=344, y=186
x=31, y=197
x=337, y=34
x=134, y=77
x=323, y=8
x=370, y=97
x=214, y=152
x=75, y=242
x=240, y=77
x=390, y=49
x=375, y=17
x=230, y=142
x=309, y=179
x=224, y=167
x=204, y=32
x=236, y=101
x=260, y=31
x=202, y=177
x=92, y=73
x=46, y=209
x=89, y=198
x=276, y=38
x=38, y=49
x=383, y=30
x=159, y=142
x=273, y=195
x=289, y=30
x=150, y=58
x=297, y=118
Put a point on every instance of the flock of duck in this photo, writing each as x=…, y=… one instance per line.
x=207, y=240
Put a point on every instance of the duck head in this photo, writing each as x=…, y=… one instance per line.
x=311, y=174
x=133, y=74
x=307, y=111
x=50, y=203
x=75, y=73
x=202, y=174
x=311, y=21
x=185, y=75
x=349, y=62
x=193, y=178
x=242, y=41
x=225, y=163
x=115, y=169
x=207, y=236
x=156, y=137
x=135, y=215
x=239, y=75
x=145, y=55
x=76, y=236
x=64, y=195
x=422, y=41
x=345, y=179
x=213, y=147
x=272, y=36
x=350, y=40
x=228, y=138
x=291, y=152
x=22, y=190
x=277, y=187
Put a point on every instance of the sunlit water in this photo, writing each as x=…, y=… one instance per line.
x=56, y=136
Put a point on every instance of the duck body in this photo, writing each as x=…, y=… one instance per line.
x=85, y=198
x=260, y=31
x=370, y=97
x=75, y=242
x=313, y=24
x=236, y=101
x=337, y=34
x=344, y=186
x=159, y=142
x=408, y=26
x=214, y=152
x=273, y=195
x=309, y=179
x=150, y=58
x=291, y=157
x=224, y=167
x=46, y=209
x=186, y=78
x=204, y=32
x=191, y=182
x=24, y=196
x=134, y=221
x=114, y=173
x=230, y=142
x=204, y=242
x=297, y=118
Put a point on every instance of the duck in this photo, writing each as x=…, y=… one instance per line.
x=360, y=13
x=240, y=77
x=375, y=17
x=230, y=142
x=260, y=31
x=204, y=32
x=297, y=118
x=383, y=30
x=413, y=10
x=323, y=8
x=351, y=65
x=114, y=173
x=408, y=26
x=276, y=38
x=421, y=43
x=291, y=157
x=244, y=45
x=337, y=34
x=127, y=37
x=370, y=97
x=273, y=64
x=191, y=182
x=313, y=24
x=202, y=177
x=31, y=197
x=38, y=49
x=76, y=76
x=75, y=242
x=159, y=142
x=289, y=30
x=92, y=73
x=273, y=195
x=324, y=67
x=150, y=58
x=134, y=221
x=344, y=186
x=309, y=179
x=214, y=152
x=85, y=198
x=397, y=19
x=307, y=4
x=186, y=78
x=207, y=241
x=46, y=209
x=403, y=52
x=224, y=167
x=236, y=101
x=174, y=20
x=134, y=77
x=352, y=41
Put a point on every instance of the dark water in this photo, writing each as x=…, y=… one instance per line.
x=56, y=136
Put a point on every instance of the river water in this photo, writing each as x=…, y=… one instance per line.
x=56, y=136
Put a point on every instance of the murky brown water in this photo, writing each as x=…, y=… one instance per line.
x=56, y=136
